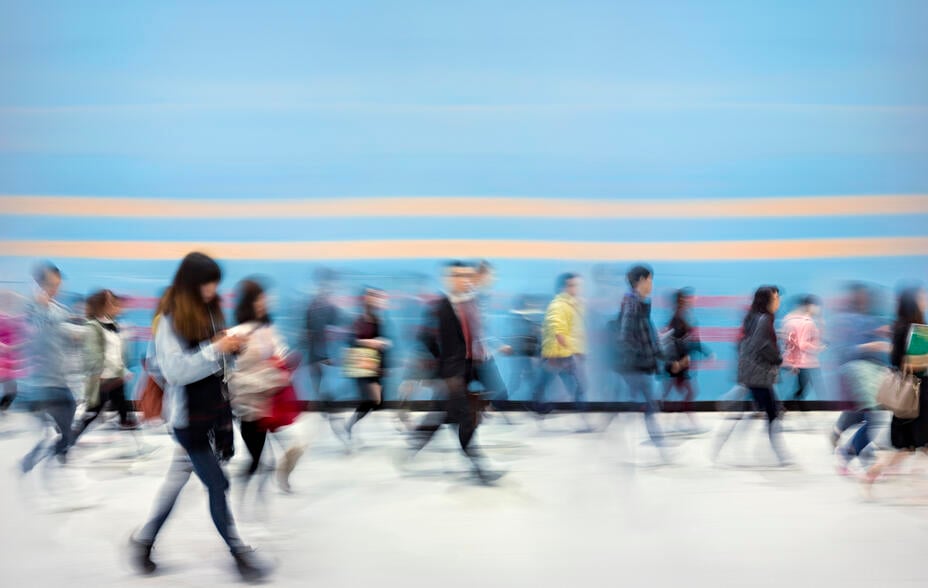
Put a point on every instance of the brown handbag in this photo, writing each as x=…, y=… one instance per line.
x=899, y=392
x=151, y=400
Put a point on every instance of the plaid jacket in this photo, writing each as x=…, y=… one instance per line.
x=638, y=347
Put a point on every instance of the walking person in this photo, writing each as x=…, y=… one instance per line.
x=370, y=348
x=452, y=342
x=262, y=370
x=52, y=335
x=906, y=435
x=803, y=345
x=321, y=316
x=107, y=360
x=639, y=351
x=12, y=342
x=487, y=371
x=192, y=353
x=759, y=361
x=681, y=345
x=563, y=347
x=862, y=348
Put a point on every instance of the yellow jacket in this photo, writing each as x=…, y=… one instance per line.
x=564, y=317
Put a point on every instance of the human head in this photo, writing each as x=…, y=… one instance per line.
x=192, y=300
x=103, y=303
x=484, y=274
x=810, y=304
x=859, y=299
x=251, y=303
x=569, y=283
x=682, y=300
x=641, y=280
x=911, y=306
x=373, y=300
x=459, y=277
x=766, y=300
x=325, y=279
x=48, y=277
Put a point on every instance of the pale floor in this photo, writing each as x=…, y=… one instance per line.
x=574, y=510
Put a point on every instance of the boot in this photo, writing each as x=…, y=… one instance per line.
x=250, y=566
x=140, y=556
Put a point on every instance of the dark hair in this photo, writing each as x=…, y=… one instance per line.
x=763, y=296
x=564, y=278
x=483, y=266
x=454, y=264
x=638, y=273
x=96, y=302
x=41, y=270
x=678, y=297
x=248, y=293
x=907, y=311
x=193, y=319
x=810, y=300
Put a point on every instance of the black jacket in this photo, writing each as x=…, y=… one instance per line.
x=443, y=336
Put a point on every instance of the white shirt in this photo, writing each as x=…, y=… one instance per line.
x=113, y=365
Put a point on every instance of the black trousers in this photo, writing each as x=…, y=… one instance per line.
x=368, y=401
x=254, y=436
x=112, y=391
x=461, y=409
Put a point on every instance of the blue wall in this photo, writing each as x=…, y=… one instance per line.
x=594, y=100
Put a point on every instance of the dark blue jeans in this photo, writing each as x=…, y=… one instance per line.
x=641, y=389
x=570, y=370
x=197, y=456
x=861, y=440
x=57, y=404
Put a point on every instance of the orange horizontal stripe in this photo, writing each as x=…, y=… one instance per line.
x=453, y=207
x=498, y=249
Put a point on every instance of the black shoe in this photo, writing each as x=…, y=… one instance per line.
x=249, y=566
x=140, y=556
x=129, y=425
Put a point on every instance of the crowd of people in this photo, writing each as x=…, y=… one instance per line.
x=211, y=378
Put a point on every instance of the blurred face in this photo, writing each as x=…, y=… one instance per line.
x=645, y=286
x=113, y=307
x=774, y=303
x=923, y=301
x=208, y=291
x=261, y=306
x=573, y=286
x=686, y=303
x=377, y=299
x=485, y=279
x=460, y=279
x=814, y=310
x=51, y=284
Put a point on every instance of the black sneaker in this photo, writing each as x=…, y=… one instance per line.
x=250, y=566
x=130, y=425
x=140, y=556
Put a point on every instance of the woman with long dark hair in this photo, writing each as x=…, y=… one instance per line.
x=261, y=371
x=907, y=435
x=370, y=346
x=191, y=349
x=759, y=361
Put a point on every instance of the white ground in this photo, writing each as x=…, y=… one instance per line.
x=574, y=510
